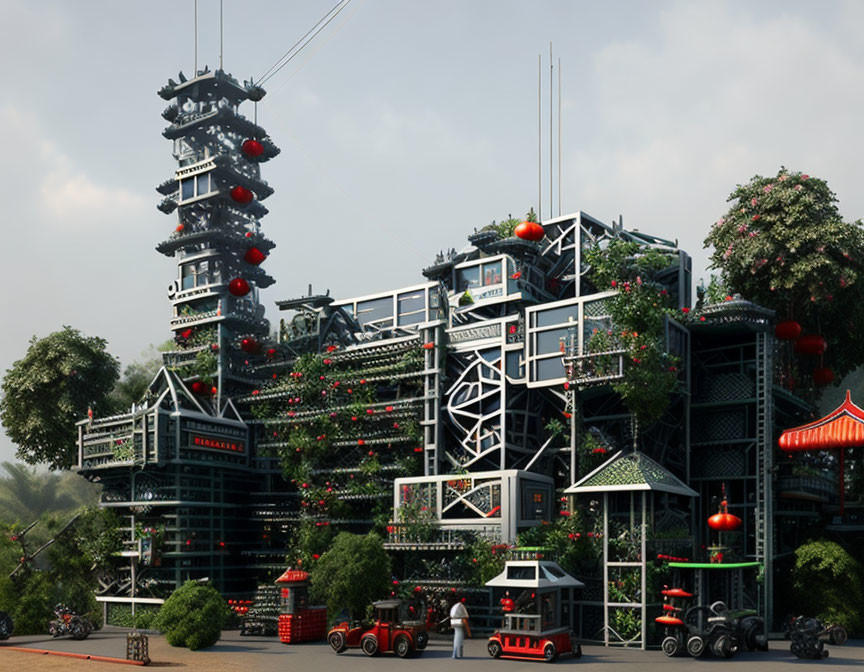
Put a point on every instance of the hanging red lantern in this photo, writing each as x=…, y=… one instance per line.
x=724, y=522
x=198, y=387
x=254, y=256
x=811, y=344
x=271, y=353
x=823, y=376
x=214, y=390
x=252, y=148
x=249, y=345
x=248, y=234
x=530, y=231
x=238, y=287
x=241, y=195
x=788, y=330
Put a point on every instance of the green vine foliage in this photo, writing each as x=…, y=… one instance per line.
x=506, y=228
x=784, y=245
x=639, y=310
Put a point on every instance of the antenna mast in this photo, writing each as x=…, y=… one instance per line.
x=221, y=50
x=195, y=71
x=551, y=136
x=559, y=137
x=539, y=146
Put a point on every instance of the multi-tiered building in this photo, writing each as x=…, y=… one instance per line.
x=454, y=408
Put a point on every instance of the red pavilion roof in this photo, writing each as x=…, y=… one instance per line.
x=293, y=576
x=841, y=428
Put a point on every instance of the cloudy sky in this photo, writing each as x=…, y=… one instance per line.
x=403, y=127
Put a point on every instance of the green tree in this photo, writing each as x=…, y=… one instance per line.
x=829, y=583
x=137, y=377
x=352, y=574
x=47, y=391
x=26, y=494
x=193, y=616
x=784, y=245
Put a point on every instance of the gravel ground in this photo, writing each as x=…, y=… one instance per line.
x=257, y=654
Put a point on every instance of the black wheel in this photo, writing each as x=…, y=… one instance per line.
x=79, y=630
x=722, y=645
x=550, y=653
x=577, y=650
x=421, y=639
x=839, y=635
x=402, y=646
x=696, y=646
x=336, y=639
x=494, y=648
x=671, y=646
x=752, y=631
x=5, y=625
x=369, y=645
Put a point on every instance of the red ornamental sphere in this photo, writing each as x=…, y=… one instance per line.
x=271, y=353
x=238, y=287
x=724, y=522
x=823, y=376
x=241, y=195
x=198, y=387
x=530, y=231
x=811, y=344
x=254, y=256
x=249, y=345
x=252, y=148
x=788, y=330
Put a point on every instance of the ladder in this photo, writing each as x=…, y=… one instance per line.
x=764, y=471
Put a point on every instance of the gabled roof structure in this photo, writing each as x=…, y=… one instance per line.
x=630, y=472
x=842, y=428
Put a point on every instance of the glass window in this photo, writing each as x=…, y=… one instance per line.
x=492, y=274
x=514, y=365
x=550, y=341
x=375, y=310
x=187, y=276
x=411, y=307
x=203, y=273
x=203, y=184
x=187, y=189
x=521, y=573
x=550, y=369
x=546, y=318
x=467, y=277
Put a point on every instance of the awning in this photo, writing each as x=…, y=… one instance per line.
x=842, y=428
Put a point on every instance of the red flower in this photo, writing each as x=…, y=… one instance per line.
x=685, y=310
x=756, y=218
x=702, y=319
x=429, y=345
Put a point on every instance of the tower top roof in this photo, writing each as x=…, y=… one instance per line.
x=217, y=82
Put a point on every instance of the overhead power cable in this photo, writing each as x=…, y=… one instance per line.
x=298, y=46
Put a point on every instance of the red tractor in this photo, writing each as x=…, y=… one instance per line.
x=390, y=632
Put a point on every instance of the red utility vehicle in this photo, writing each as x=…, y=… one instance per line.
x=391, y=632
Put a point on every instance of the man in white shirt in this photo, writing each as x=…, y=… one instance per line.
x=459, y=623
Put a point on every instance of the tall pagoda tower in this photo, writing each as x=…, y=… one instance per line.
x=217, y=193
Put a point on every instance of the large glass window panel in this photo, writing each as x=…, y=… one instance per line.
x=514, y=365
x=550, y=341
x=546, y=318
x=411, y=307
x=549, y=369
x=492, y=273
x=467, y=277
x=203, y=184
x=188, y=276
x=187, y=189
x=375, y=310
x=203, y=274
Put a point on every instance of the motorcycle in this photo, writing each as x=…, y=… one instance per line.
x=69, y=623
x=809, y=635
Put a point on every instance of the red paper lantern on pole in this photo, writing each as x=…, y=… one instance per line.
x=254, y=256
x=811, y=344
x=530, y=231
x=252, y=148
x=788, y=330
x=238, y=287
x=199, y=387
x=723, y=521
x=249, y=345
x=241, y=195
x=823, y=376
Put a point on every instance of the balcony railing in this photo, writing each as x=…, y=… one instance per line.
x=810, y=487
x=400, y=535
x=595, y=368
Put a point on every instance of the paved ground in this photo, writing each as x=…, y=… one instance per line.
x=253, y=654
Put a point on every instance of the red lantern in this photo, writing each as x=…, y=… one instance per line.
x=238, y=287
x=530, y=231
x=788, y=330
x=241, y=195
x=823, y=376
x=199, y=387
x=254, y=256
x=724, y=522
x=811, y=344
x=271, y=353
x=249, y=345
x=252, y=148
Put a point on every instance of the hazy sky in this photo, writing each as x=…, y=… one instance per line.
x=403, y=127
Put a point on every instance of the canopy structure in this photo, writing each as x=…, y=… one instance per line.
x=840, y=429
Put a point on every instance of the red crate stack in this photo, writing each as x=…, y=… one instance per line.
x=306, y=626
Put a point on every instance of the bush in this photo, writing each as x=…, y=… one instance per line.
x=829, y=584
x=193, y=616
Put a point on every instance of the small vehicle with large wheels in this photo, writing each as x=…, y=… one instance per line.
x=809, y=636
x=392, y=631
x=696, y=630
x=534, y=629
x=66, y=622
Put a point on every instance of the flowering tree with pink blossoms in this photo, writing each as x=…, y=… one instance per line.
x=784, y=245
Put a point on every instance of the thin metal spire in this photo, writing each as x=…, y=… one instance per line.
x=551, y=137
x=539, y=144
x=195, y=70
x=221, y=45
x=559, y=137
